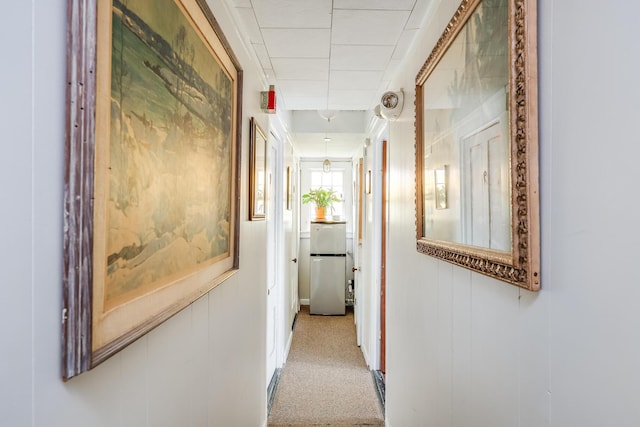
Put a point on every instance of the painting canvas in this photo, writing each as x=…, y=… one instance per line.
x=165, y=166
x=257, y=172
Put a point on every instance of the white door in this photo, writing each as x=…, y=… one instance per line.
x=273, y=218
x=487, y=199
x=479, y=194
x=358, y=240
x=291, y=239
x=359, y=260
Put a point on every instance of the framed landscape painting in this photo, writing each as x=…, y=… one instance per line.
x=257, y=172
x=152, y=169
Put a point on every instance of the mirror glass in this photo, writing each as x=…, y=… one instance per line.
x=476, y=142
x=466, y=133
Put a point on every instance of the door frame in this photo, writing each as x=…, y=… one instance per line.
x=383, y=256
x=275, y=253
x=368, y=292
x=291, y=245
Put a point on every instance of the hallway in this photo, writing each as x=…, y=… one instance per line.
x=463, y=349
x=325, y=380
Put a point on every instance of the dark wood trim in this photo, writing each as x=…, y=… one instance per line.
x=383, y=261
x=236, y=231
x=78, y=187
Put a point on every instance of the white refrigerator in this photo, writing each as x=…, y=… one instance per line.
x=328, y=251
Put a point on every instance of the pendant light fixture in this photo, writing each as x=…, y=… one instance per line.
x=327, y=115
x=326, y=165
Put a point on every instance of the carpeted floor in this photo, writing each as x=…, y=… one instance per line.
x=325, y=381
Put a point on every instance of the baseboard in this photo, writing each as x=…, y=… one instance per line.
x=378, y=380
x=271, y=390
x=304, y=302
x=366, y=356
x=287, y=347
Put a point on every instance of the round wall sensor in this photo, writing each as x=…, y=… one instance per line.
x=389, y=100
x=391, y=104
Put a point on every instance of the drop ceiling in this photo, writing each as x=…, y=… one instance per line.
x=329, y=54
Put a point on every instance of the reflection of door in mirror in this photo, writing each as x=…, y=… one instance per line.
x=487, y=203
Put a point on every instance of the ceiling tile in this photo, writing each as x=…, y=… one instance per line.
x=350, y=99
x=293, y=13
x=358, y=57
x=354, y=80
x=368, y=27
x=305, y=103
x=303, y=88
x=374, y=4
x=250, y=25
x=300, y=69
x=297, y=43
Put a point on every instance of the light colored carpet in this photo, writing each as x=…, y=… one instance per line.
x=325, y=381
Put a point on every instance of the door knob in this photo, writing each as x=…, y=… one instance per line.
x=295, y=260
x=354, y=269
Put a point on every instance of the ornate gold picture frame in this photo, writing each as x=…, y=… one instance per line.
x=476, y=112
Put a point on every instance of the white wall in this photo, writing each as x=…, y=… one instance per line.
x=205, y=366
x=466, y=350
x=463, y=350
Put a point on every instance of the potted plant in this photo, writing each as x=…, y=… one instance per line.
x=322, y=198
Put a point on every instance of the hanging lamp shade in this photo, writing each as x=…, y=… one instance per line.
x=326, y=166
x=327, y=114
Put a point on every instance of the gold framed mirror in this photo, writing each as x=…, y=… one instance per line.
x=477, y=143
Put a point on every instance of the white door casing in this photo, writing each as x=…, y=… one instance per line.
x=273, y=219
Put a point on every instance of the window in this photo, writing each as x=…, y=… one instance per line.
x=330, y=181
x=338, y=179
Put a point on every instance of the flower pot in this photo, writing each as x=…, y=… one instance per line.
x=320, y=212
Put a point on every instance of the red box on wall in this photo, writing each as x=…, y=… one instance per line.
x=268, y=100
